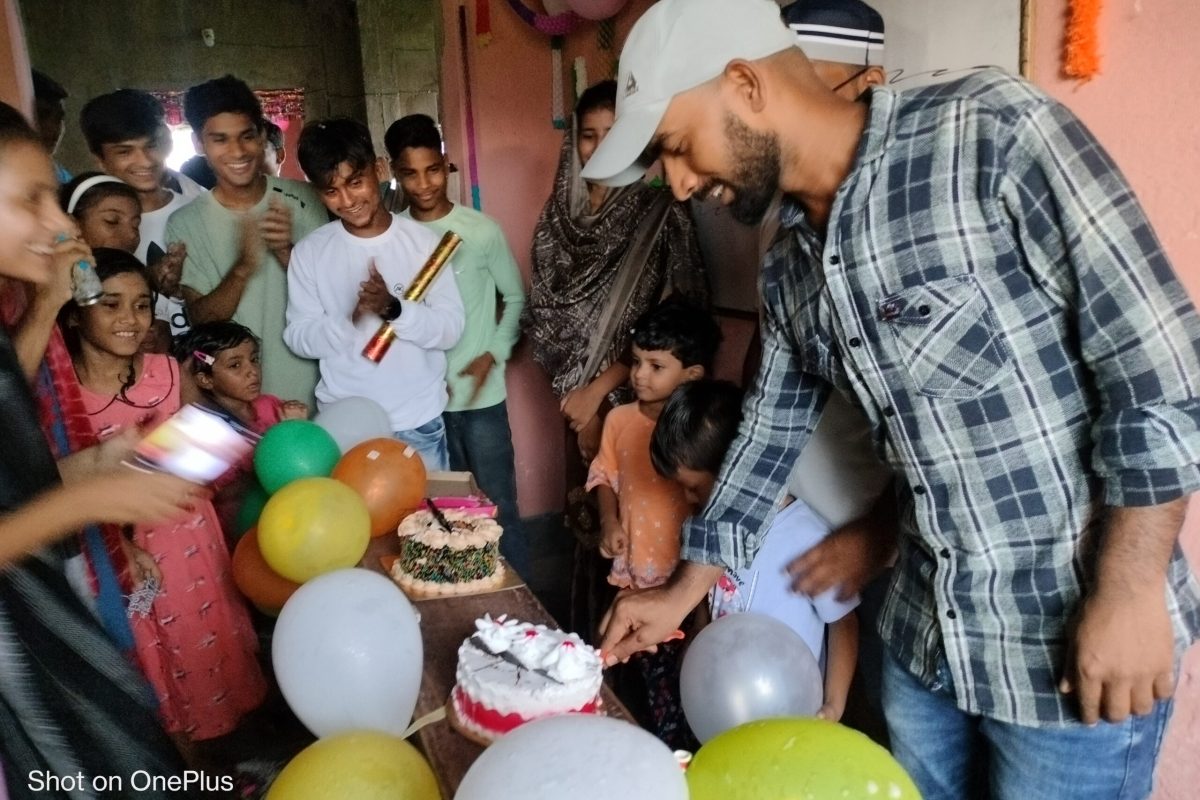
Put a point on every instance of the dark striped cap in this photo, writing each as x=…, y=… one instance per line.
x=845, y=31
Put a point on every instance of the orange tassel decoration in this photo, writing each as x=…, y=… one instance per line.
x=1081, y=56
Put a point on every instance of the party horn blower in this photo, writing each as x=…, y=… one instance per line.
x=378, y=346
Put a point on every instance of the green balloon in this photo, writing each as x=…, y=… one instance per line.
x=796, y=759
x=252, y=505
x=294, y=449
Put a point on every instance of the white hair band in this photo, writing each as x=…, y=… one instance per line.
x=85, y=186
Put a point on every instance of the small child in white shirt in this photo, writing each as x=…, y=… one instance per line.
x=694, y=431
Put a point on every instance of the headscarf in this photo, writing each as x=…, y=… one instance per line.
x=577, y=256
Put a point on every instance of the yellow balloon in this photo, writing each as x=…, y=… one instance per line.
x=363, y=765
x=790, y=758
x=313, y=526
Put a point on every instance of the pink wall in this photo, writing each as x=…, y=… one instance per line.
x=517, y=155
x=1150, y=124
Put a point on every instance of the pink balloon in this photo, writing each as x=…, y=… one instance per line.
x=596, y=9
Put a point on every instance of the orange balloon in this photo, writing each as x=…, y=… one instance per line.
x=390, y=477
x=263, y=586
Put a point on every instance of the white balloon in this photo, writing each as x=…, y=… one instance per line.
x=578, y=757
x=353, y=420
x=746, y=667
x=555, y=7
x=347, y=654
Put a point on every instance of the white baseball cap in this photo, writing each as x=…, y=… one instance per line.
x=675, y=46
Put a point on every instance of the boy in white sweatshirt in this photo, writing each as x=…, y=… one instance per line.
x=348, y=276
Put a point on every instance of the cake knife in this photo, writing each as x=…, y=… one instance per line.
x=438, y=515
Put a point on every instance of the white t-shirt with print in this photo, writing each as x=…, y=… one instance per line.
x=766, y=587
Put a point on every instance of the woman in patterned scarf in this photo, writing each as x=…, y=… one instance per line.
x=601, y=258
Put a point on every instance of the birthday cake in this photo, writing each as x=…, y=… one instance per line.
x=454, y=552
x=511, y=672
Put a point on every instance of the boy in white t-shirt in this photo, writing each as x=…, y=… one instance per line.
x=694, y=431
x=349, y=275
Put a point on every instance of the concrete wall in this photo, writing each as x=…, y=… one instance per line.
x=93, y=48
x=1149, y=123
x=400, y=43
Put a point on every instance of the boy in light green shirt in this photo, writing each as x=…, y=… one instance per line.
x=239, y=236
x=477, y=429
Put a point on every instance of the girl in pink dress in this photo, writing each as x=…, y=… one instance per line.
x=222, y=359
x=196, y=644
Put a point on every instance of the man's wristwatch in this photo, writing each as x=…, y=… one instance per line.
x=393, y=309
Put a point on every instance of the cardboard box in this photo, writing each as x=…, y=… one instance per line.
x=453, y=484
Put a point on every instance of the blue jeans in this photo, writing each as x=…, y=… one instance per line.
x=430, y=441
x=480, y=442
x=940, y=745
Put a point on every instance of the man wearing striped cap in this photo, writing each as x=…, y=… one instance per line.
x=844, y=41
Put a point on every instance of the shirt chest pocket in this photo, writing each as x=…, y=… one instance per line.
x=946, y=338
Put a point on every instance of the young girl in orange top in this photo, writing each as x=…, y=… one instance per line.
x=196, y=645
x=641, y=512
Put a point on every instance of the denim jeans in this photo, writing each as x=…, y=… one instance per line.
x=480, y=441
x=430, y=441
x=943, y=747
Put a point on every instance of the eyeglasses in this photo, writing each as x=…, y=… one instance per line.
x=851, y=79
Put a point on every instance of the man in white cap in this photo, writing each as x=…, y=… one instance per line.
x=967, y=263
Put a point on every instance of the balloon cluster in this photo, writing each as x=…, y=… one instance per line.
x=324, y=488
x=749, y=686
x=348, y=657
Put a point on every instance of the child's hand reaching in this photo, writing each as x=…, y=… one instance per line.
x=613, y=541
x=294, y=409
x=373, y=295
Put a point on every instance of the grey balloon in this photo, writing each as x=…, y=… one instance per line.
x=746, y=667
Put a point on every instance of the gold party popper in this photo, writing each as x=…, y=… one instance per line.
x=378, y=346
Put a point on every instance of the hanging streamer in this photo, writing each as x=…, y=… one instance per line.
x=472, y=166
x=1081, y=56
x=557, y=114
x=483, y=23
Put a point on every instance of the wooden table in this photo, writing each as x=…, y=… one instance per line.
x=445, y=623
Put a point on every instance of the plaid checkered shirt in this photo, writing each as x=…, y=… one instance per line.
x=992, y=295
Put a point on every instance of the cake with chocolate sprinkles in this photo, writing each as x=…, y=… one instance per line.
x=455, y=552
